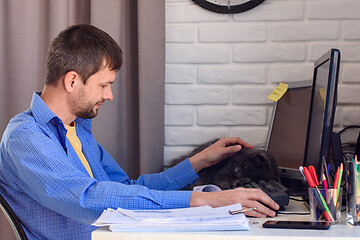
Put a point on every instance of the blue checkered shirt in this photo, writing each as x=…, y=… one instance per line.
x=50, y=190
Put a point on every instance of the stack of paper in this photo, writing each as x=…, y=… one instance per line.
x=184, y=219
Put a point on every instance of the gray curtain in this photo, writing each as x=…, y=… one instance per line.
x=130, y=127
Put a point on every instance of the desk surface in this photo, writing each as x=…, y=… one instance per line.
x=340, y=230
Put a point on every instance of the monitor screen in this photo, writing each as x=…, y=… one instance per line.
x=288, y=129
x=322, y=110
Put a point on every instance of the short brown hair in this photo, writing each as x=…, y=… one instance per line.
x=81, y=48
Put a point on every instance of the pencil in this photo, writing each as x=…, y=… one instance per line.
x=339, y=183
x=336, y=180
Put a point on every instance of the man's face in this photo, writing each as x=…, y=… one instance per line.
x=93, y=93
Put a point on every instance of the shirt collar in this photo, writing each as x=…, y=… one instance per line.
x=40, y=110
x=86, y=123
x=43, y=114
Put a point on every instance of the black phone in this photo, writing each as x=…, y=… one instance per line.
x=297, y=225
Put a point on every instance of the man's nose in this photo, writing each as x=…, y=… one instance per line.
x=108, y=95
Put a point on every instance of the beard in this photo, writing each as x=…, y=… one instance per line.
x=87, y=114
x=88, y=110
x=85, y=109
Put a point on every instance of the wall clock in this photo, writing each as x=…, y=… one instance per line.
x=228, y=6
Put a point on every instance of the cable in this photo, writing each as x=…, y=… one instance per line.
x=348, y=127
x=348, y=148
x=350, y=145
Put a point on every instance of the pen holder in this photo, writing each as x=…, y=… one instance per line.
x=325, y=204
x=352, y=171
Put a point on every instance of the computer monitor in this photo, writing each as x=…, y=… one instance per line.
x=322, y=110
x=288, y=129
x=302, y=122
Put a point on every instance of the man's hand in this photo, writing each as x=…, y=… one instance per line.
x=218, y=151
x=247, y=197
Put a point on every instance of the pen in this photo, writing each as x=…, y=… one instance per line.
x=326, y=172
x=313, y=174
x=242, y=210
x=325, y=186
x=327, y=210
x=308, y=177
x=322, y=200
x=301, y=169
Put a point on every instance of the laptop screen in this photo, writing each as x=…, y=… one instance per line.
x=288, y=129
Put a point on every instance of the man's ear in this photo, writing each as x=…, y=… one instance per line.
x=71, y=79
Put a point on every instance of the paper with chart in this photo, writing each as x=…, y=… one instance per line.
x=183, y=219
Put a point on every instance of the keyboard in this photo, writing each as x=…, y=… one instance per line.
x=278, y=192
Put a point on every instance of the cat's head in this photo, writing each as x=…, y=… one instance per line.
x=255, y=164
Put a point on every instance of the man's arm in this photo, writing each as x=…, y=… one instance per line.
x=46, y=174
x=177, y=177
x=182, y=175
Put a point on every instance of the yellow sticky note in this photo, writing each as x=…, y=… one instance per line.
x=279, y=91
x=323, y=95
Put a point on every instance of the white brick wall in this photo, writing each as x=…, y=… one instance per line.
x=221, y=67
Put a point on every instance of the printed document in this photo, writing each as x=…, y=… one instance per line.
x=203, y=218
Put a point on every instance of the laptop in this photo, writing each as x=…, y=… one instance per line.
x=286, y=139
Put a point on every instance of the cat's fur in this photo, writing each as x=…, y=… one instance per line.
x=241, y=168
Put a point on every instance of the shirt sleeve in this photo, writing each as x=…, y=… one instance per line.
x=177, y=177
x=43, y=170
x=180, y=176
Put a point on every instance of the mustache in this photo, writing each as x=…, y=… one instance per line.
x=101, y=102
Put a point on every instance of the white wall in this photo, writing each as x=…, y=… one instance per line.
x=220, y=68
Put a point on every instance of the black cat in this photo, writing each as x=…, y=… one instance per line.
x=241, y=168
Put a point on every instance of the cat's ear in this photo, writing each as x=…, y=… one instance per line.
x=262, y=161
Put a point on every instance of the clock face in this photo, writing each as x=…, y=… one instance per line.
x=228, y=6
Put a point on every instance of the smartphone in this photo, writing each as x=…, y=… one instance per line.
x=297, y=225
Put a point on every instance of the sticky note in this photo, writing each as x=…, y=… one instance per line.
x=323, y=95
x=279, y=91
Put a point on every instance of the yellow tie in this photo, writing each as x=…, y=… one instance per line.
x=75, y=142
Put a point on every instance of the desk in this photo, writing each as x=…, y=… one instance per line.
x=257, y=232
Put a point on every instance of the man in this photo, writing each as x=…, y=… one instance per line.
x=58, y=179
